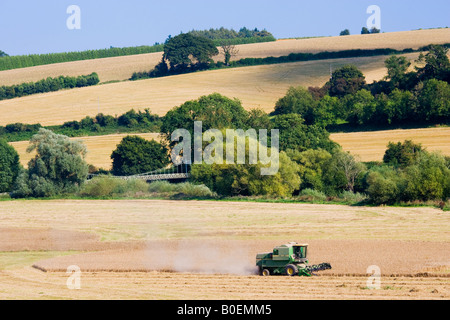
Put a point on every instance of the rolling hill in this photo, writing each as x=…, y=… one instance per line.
x=121, y=68
x=255, y=86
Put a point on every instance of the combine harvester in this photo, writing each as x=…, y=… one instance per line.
x=288, y=259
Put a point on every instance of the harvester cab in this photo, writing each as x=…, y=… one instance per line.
x=288, y=259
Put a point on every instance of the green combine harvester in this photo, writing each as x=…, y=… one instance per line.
x=288, y=259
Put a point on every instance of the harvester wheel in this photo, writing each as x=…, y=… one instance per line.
x=291, y=270
x=265, y=273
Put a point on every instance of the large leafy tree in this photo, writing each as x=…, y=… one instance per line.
x=437, y=64
x=296, y=135
x=397, y=67
x=186, y=50
x=58, y=167
x=246, y=179
x=297, y=100
x=136, y=155
x=402, y=154
x=346, y=80
x=215, y=111
x=9, y=166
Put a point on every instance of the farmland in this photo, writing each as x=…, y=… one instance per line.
x=169, y=256
x=161, y=249
x=120, y=68
x=256, y=87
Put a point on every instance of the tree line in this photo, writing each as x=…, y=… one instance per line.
x=32, y=60
x=101, y=124
x=218, y=36
x=48, y=85
x=188, y=52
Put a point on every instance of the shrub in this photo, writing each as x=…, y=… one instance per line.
x=108, y=186
x=312, y=195
x=186, y=189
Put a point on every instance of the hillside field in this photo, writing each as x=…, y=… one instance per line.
x=121, y=68
x=255, y=86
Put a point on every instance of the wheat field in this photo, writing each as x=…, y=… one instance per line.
x=121, y=68
x=255, y=86
x=371, y=146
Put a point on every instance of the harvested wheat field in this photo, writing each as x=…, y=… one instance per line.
x=154, y=249
x=255, y=86
x=99, y=148
x=371, y=146
x=121, y=68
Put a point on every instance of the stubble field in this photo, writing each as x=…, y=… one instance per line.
x=152, y=249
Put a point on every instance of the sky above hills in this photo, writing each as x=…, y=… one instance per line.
x=31, y=26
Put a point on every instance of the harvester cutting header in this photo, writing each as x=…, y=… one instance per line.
x=288, y=259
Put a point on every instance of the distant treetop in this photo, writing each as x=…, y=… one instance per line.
x=223, y=33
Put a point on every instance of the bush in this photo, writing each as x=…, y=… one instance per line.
x=352, y=197
x=47, y=85
x=186, y=189
x=108, y=186
x=312, y=195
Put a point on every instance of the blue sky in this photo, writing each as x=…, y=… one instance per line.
x=39, y=26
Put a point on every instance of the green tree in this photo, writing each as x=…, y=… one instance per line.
x=385, y=185
x=434, y=101
x=345, y=32
x=294, y=134
x=343, y=171
x=360, y=107
x=313, y=164
x=397, y=67
x=297, y=100
x=135, y=155
x=428, y=178
x=246, y=179
x=9, y=166
x=215, y=111
x=365, y=30
x=346, y=80
x=437, y=63
x=58, y=167
x=402, y=154
x=400, y=107
x=186, y=50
